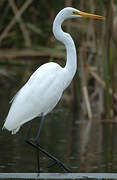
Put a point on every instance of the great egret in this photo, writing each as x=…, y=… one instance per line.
x=45, y=87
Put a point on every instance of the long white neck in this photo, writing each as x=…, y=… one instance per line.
x=66, y=39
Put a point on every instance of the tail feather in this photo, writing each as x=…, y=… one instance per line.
x=3, y=128
x=14, y=131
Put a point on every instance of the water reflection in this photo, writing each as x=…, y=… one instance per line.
x=84, y=146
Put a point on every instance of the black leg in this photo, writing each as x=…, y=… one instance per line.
x=27, y=139
x=35, y=144
x=38, y=162
x=39, y=130
x=56, y=161
x=27, y=135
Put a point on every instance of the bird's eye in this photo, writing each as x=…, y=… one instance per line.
x=75, y=13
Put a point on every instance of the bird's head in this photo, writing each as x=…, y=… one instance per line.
x=70, y=12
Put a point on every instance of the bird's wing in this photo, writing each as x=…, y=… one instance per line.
x=33, y=77
x=39, y=95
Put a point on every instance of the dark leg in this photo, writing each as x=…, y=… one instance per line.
x=38, y=162
x=56, y=161
x=27, y=135
x=39, y=130
x=35, y=144
x=27, y=138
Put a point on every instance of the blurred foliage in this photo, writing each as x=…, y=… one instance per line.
x=34, y=31
x=38, y=18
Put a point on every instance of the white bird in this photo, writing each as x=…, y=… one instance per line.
x=45, y=87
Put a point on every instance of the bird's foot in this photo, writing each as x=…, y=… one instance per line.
x=56, y=161
x=61, y=165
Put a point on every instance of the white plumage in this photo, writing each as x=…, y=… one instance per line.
x=44, y=89
x=37, y=97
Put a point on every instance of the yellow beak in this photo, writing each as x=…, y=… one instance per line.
x=87, y=15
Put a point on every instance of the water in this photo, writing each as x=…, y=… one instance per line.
x=81, y=145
